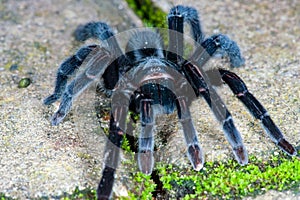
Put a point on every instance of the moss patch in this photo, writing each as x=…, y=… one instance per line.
x=3, y=197
x=228, y=180
x=149, y=13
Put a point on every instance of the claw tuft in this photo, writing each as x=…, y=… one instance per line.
x=287, y=147
x=241, y=155
x=196, y=157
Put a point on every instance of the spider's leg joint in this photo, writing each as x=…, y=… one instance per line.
x=266, y=114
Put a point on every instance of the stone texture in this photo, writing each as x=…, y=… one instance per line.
x=37, y=159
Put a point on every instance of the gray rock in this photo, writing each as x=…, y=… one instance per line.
x=36, y=158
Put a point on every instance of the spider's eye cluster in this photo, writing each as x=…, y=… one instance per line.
x=144, y=44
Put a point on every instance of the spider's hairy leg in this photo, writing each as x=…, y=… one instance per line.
x=202, y=86
x=176, y=18
x=195, y=154
x=146, y=138
x=67, y=68
x=98, y=30
x=112, y=152
x=96, y=65
x=239, y=88
x=228, y=47
x=224, y=117
x=175, y=49
x=101, y=31
x=117, y=127
x=189, y=15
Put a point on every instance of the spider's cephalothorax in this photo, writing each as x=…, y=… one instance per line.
x=149, y=80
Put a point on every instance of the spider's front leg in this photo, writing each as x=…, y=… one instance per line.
x=95, y=67
x=239, y=88
x=112, y=150
x=195, y=154
x=146, y=138
x=220, y=111
x=119, y=110
x=66, y=69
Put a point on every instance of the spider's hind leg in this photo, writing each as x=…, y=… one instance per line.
x=101, y=31
x=239, y=88
x=176, y=18
x=189, y=15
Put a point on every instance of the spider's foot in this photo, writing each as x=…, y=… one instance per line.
x=196, y=157
x=57, y=117
x=287, y=147
x=241, y=155
x=51, y=99
x=146, y=161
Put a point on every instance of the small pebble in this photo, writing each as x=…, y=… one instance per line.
x=24, y=82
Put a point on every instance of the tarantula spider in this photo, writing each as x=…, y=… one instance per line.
x=148, y=80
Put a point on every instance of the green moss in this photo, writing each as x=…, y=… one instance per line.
x=228, y=180
x=151, y=15
x=126, y=145
x=144, y=186
x=4, y=197
x=221, y=180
